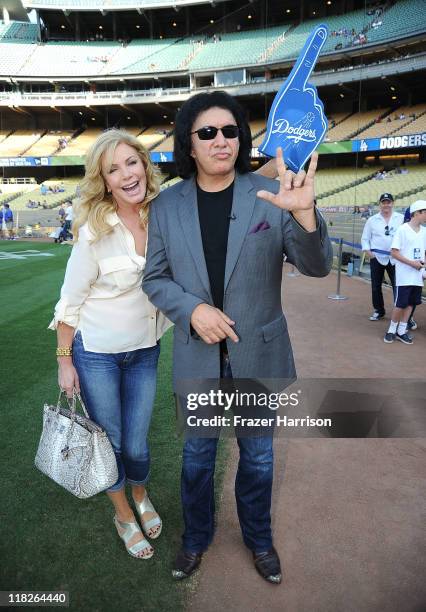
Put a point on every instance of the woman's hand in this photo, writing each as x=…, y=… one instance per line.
x=67, y=376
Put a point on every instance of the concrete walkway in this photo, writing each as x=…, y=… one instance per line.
x=348, y=514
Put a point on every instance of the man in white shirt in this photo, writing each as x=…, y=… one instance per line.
x=376, y=242
x=409, y=250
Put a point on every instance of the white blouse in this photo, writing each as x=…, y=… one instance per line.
x=102, y=296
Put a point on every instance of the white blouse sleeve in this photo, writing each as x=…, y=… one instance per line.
x=82, y=271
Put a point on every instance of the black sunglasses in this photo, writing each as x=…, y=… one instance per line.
x=209, y=132
x=387, y=232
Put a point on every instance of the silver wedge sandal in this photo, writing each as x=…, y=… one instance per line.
x=126, y=531
x=146, y=506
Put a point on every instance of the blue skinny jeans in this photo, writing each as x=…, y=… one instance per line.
x=118, y=390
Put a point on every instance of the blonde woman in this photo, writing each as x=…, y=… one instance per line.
x=107, y=330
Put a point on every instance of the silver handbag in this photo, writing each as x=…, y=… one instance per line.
x=74, y=451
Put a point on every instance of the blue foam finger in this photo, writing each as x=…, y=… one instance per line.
x=296, y=121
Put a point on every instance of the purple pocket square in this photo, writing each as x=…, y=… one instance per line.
x=260, y=227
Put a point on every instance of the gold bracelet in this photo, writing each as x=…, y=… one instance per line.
x=64, y=351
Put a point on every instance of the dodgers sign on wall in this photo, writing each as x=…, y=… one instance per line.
x=296, y=120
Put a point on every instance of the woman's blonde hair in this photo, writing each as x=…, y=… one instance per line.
x=95, y=202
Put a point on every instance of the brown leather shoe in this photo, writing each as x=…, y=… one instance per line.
x=268, y=565
x=185, y=564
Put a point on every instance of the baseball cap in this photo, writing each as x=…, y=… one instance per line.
x=418, y=205
x=386, y=196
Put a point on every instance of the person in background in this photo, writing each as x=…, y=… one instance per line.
x=376, y=242
x=409, y=251
x=2, y=223
x=411, y=323
x=61, y=214
x=7, y=223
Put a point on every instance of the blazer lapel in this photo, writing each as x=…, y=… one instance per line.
x=188, y=215
x=243, y=202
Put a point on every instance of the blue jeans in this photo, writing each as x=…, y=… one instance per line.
x=118, y=390
x=253, y=489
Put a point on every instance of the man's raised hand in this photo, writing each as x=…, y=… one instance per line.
x=297, y=191
x=212, y=325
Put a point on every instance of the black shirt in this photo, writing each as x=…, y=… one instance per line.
x=214, y=210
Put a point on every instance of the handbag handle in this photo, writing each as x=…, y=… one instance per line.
x=72, y=402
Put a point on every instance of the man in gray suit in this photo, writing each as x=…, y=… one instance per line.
x=214, y=267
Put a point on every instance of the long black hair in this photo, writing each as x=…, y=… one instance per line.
x=185, y=119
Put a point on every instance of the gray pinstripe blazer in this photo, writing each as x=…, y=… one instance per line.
x=176, y=278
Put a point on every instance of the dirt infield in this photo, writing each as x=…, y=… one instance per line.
x=347, y=513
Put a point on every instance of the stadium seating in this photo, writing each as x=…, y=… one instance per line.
x=297, y=37
x=69, y=59
x=237, y=49
x=10, y=191
x=256, y=126
x=401, y=19
x=151, y=137
x=19, y=195
x=347, y=125
x=334, y=119
x=413, y=126
x=135, y=131
x=18, y=30
x=259, y=139
x=100, y=4
x=48, y=144
x=392, y=124
x=402, y=186
x=19, y=142
x=147, y=56
x=351, y=126
x=14, y=55
x=50, y=199
x=80, y=144
x=337, y=117
x=258, y=129
x=225, y=50
x=165, y=145
x=4, y=134
x=337, y=179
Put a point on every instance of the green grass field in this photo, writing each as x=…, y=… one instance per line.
x=49, y=539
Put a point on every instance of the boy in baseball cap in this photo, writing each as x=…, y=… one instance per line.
x=409, y=250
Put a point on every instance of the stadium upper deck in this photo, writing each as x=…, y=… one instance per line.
x=256, y=48
x=57, y=95
x=117, y=5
